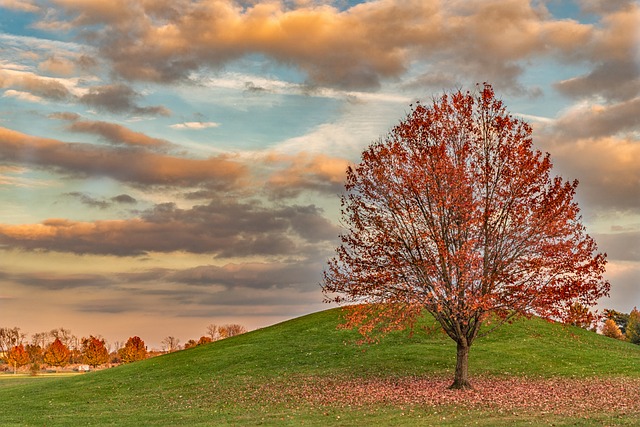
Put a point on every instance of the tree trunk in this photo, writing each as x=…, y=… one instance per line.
x=461, y=377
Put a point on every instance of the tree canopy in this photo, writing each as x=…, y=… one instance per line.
x=455, y=213
x=133, y=350
x=94, y=352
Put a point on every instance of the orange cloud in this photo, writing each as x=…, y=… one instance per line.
x=306, y=172
x=148, y=168
x=57, y=66
x=39, y=86
x=224, y=228
x=118, y=134
x=353, y=48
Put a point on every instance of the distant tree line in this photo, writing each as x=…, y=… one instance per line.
x=611, y=323
x=622, y=326
x=214, y=333
x=59, y=348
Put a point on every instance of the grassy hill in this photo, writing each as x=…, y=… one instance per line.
x=245, y=380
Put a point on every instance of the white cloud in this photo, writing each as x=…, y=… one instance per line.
x=23, y=6
x=195, y=125
x=23, y=96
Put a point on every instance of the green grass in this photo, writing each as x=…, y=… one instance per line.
x=220, y=383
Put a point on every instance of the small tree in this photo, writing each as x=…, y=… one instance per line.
x=94, y=352
x=230, y=330
x=17, y=357
x=171, y=344
x=204, y=340
x=212, y=332
x=36, y=353
x=133, y=350
x=580, y=316
x=455, y=214
x=191, y=343
x=632, y=333
x=610, y=329
x=9, y=338
x=619, y=318
x=57, y=354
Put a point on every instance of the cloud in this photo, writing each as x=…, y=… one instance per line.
x=149, y=168
x=57, y=66
x=254, y=275
x=620, y=246
x=608, y=169
x=615, y=80
x=117, y=134
x=119, y=98
x=19, y=5
x=225, y=229
x=624, y=278
x=304, y=172
x=590, y=120
x=124, y=199
x=43, y=87
x=56, y=281
x=195, y=125
x=354, y=48
x=615, y=54
x=23, y=96
x=88, y=200
x=599, y=145
x=64, y=116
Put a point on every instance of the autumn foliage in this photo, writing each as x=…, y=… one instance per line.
x=610, y=329
x=632, y=332
x=133, y=350
x=94, y=352
x=17, y=356
x=455, y=213
x=57, y=354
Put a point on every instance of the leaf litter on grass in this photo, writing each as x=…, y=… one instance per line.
x=558, y=396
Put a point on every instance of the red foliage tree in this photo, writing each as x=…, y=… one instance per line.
x=17, y=357
x=455, y=213
x=57, y=354
x=133, y=350
x=94, y=352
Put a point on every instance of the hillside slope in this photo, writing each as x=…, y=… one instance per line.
x=212, y=384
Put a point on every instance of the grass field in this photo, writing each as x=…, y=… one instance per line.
x=306, y=372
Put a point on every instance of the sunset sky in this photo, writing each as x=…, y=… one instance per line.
x=167, y=164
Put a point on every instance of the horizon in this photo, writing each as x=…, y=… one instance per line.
x=168, y=166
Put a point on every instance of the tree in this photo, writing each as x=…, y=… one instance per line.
x=212, y=332
x=57, y=354
x=619, y=318
x=94, y=352
x=9, y=338
x=632, y=333
x=65, y=336
x=230, y=330
x=204, y=340
x=133, y=350
x=580, y=316
x=191, y=343
x=610, y=329
x=171, y=344
x=36, y=353
x=40, y=339
x=455, y=213
x=17, y=357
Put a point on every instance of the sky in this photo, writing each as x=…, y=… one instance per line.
x=168, y=164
